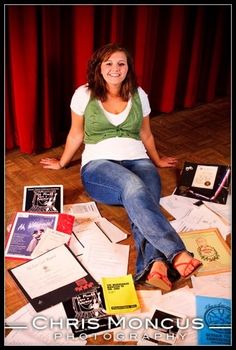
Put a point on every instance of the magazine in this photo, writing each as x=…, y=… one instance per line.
x=27, y=229
x=47, y=198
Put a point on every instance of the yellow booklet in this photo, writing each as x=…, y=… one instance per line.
x=120, y=294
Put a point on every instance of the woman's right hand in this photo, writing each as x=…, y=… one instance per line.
x=51, y=163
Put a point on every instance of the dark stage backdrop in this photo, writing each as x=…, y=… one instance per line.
x=181, y=53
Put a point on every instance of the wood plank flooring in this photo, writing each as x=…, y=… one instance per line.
x=201, y=134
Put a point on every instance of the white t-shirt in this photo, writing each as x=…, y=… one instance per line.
x=115, y=148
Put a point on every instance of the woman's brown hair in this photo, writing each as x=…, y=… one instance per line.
x=97, y=84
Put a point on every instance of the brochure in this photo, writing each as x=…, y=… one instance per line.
x=88, y=309
x=216, y=314
x=120, y=294
x=47, y=198
x=27, y=229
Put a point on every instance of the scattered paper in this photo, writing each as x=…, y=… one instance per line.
x=82, y=210
x=38, y=332
x=106, y=259
x=112, y=231
x=218, y=285
x=200, y=218
x=50, y=239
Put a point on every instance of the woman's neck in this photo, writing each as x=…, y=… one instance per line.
x=113, y=91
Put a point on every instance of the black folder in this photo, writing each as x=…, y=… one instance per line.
x=84, y=283
x=207, y=182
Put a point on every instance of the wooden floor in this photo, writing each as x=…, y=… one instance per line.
x=201, y=134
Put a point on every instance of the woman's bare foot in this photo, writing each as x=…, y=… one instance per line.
x=186, y=265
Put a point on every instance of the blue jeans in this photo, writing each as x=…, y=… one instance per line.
x=135, y=185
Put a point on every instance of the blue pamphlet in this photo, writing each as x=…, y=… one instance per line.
x=216, y=315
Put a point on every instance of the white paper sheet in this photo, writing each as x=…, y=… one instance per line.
x=32, y=336
x=106, y=259
x=177, y=206
x=89, y=233
x=200, y=218
x=180, y=206
x=147, y=298
x=205, y=176
x=112, y=231
x=75, y=245
x=223, y=210
x=217, y=285
x=157, y=334
x=50, y=239
x=181, y=301
x=83, y=210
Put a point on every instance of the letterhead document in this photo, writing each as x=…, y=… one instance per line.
x=52, y=277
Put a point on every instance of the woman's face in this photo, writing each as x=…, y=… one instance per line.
x=115, y=68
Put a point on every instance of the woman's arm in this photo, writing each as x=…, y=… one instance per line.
x=73, y=142
x=149, y=143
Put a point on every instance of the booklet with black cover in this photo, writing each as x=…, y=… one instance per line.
x=43, y=198
x=52, y=277
x=89, y=312
x=164, y=329
x=208, y=182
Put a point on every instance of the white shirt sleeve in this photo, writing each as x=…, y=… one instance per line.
x=80, y=99
x=144, y=101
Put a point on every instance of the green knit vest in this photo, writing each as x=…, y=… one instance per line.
x=97, y=127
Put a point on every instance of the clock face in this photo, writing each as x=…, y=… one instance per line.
x=218, y=318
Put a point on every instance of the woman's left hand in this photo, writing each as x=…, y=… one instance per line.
x=51, y=163
x=167, y=162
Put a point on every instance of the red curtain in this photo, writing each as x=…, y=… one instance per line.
x=181, y=54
